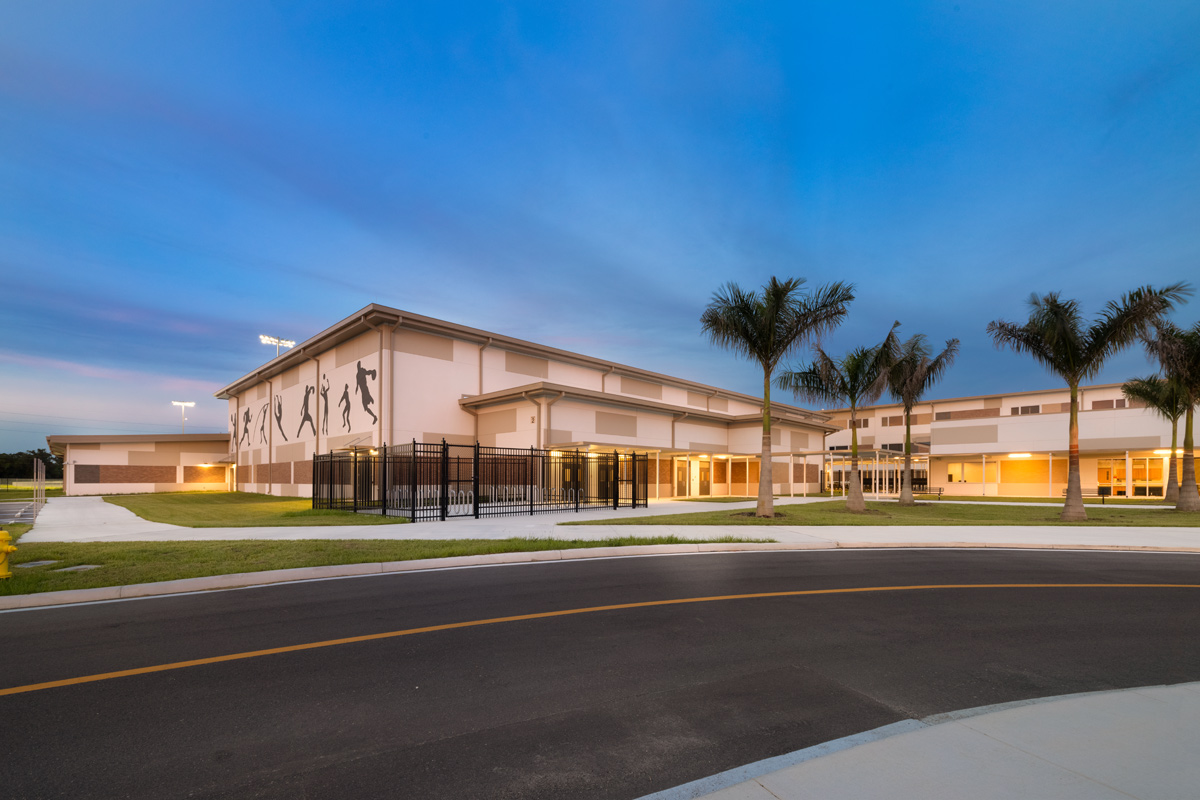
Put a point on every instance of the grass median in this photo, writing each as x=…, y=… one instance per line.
x=124, y=563
x=933, y=513
x=239, y=510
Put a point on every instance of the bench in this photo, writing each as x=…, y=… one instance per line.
x=937, y=490
x=1103, y=492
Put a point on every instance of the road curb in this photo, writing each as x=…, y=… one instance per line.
x=242, y=580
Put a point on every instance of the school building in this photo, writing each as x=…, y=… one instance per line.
x=386, y=376
x=383, y=376
x=1009, y=445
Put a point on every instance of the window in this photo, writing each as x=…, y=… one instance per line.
x=1023, y=410
x=859, y=423
x=970, y=472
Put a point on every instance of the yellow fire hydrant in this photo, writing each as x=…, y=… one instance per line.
x=6, y=547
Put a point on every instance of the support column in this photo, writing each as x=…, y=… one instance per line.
x=983, y=477
x=1128, y=475
x=1049, y=474
x=875, y=476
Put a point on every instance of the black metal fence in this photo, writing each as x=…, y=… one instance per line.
x=439, y=481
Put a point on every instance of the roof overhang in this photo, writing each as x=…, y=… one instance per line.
x=554, y=391
x=58, y=444
x=375, y=317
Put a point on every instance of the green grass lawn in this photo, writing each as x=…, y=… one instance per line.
x=1109, y=501
x=932, y=513
x=238, y=510
x=7, y=493
x=124, y=563
x=740, y=499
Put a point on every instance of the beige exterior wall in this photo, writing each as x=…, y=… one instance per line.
x=975, y=431
x=422, y=372
x=140, y=465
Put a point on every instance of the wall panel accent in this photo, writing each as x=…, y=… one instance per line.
x=616, y=424
x=495, y=422
x=968, y=434
x=641, y=388
x=526, y=365
x=423, y=344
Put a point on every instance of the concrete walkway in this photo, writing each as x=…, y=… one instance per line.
x=1135, y=743
x=90, y=519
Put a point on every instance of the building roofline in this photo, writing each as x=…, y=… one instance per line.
x=546, y=389
x=374, y=316
x=846, y=409
x=57, y=444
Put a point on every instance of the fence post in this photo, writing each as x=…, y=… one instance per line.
x=616, y=485
x=531, y=480
x=412, y=475
x=475, y=479
x=383, y=478
x=444, y=489
x=354, y=478
x=578, y=487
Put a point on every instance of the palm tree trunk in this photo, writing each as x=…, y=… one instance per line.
x=1073, y=510
x=766, y=497
x=906, y=495
x=1172, y=493
x=1189, y=499
x=854, y=498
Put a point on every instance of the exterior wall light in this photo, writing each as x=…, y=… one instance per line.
x=1167, y=452
x=1020, y=455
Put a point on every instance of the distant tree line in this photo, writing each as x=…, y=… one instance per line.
x=20, y=465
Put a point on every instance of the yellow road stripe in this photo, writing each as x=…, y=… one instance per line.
x=104, y=676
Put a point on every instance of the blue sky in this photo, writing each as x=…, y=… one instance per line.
x=176, y=178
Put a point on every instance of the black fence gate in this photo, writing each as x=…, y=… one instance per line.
x=439, y=481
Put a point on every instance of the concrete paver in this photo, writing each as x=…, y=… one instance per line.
x=1137, y=743
x=90, y=519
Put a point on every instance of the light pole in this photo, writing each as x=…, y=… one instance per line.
x=183, y=407
x=262, y=337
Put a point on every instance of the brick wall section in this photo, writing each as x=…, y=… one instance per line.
x=281, y=473
x=302, y=472
x=87, y=473
x=262, y=473
x=117, y=473
x=203, y=475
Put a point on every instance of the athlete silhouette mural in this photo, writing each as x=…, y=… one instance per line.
x=246, y=419
x=345, y=411
x=262, y=417
x=361, y=384
x=325, y=404
x=305, y=416
x=279, y=416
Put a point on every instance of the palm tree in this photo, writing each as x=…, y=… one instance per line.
x=1179, y=353
x=766, y=327
x=1058, y=336
x=1165, y=397
x=912, y=374
x=857, y=379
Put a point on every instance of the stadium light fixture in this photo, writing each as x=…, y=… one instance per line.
x=276, y=341
x=183, y=407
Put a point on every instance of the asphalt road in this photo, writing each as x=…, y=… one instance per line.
x=604, y=704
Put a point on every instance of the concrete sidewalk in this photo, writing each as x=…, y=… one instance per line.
x=90, y=519
x=1135, y=743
